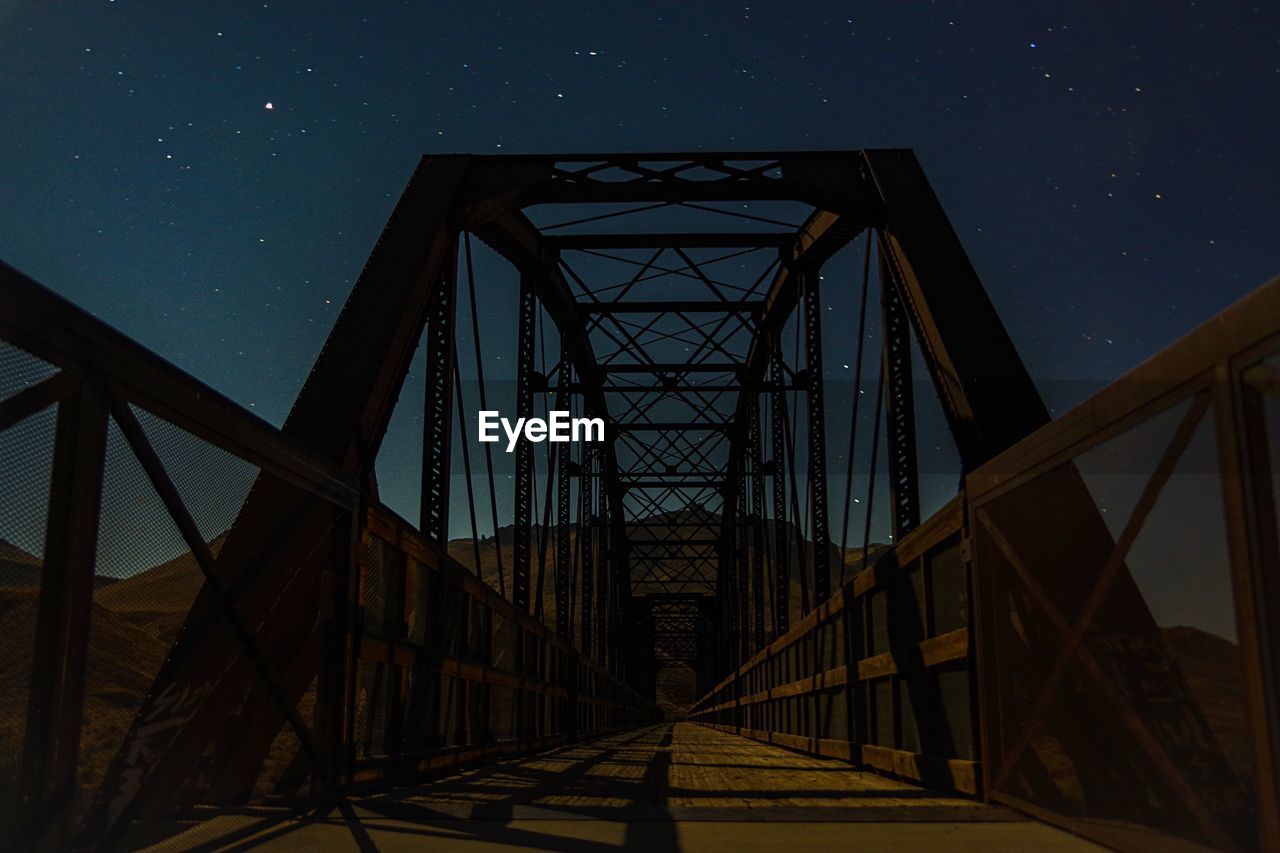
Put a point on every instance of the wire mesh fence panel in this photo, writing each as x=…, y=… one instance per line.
x=947, y=595
x=372, y=707
x=419, y=601
x=417, y=709
x=20, y=370
x=909, y=721
x=878, y=617
x=211, y=482
x=502, y=703
x=286, y=769
x=244, y=649
x=506, y=646
x=454, y=619
x=478, y=634
x=145, y=581
x=955, y=711
x=477, y=713
x=450, y=713
x=381, y=589
x=882, y=713
x=1118, y=681
x=27, y=448
x=831, y=715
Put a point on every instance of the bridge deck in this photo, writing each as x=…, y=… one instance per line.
x=670, y=787
x=680, y=766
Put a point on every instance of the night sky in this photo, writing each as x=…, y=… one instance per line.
x=210, y=177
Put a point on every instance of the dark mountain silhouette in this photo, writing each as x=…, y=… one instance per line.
x=20, y=569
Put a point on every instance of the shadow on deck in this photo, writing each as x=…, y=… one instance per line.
x=674, y=786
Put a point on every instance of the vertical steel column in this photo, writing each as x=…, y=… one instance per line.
x=564, y=610
x=621, y=611
x=613, y=658
x=525, y=344
x=617, y=577
x=727, y=581
x=782, y=560
x=437, y=427
x=335, y=681
x=1250, y=498
x=900, y=417
x=605, y=579
x=55, y=706
x=742, y=567
x=757, y=527
x=586, y=539
x=817, y=438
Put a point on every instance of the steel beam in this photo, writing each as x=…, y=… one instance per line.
x=437, y=422
x=687, y=306
x=705, y=240
x=586, y=547
x=683, y=543
x=675, y=368
x=679, y=484
x=664, y=389
x=55, y=703
x=781, y=554
x=525, y=347
x=817, y=421
x=563, y=581
x=900, y=437
x=344, y=407
x=605, y=578
x=673, y=426
x=826, y=180
x=757, y=527
x=742, y=566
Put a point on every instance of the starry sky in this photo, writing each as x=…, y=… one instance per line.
x=210, y=177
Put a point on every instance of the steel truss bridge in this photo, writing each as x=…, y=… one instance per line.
x=204, y=614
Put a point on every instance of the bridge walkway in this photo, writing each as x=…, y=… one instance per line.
x=675, y=786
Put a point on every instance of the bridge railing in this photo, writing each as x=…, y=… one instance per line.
x=163, y=648
x=1116, y=572
x=449, y=671
x=1127, y=599
x=878, y=675
x=123, y=478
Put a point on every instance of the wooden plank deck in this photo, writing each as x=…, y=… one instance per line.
x=680, y=765
x=675, y=786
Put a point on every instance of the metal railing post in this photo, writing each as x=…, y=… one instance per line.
x=56, y=703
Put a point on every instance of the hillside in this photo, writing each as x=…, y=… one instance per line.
x=689, y=524
x=1215, y=674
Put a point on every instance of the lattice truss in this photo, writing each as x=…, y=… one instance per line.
x=676, y=622
x=684, y=290
x=671, y=325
